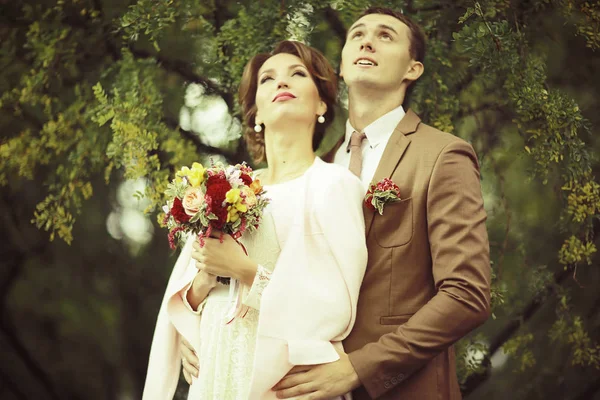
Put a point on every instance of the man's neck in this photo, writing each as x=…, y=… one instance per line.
x=367, y=106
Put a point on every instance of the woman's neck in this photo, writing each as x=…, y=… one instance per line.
x=289, y=155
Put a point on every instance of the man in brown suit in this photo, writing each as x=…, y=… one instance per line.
x=428, y=276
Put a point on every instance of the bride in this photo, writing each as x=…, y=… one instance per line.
x=305, y=263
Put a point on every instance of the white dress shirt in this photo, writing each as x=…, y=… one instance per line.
x=378, y=134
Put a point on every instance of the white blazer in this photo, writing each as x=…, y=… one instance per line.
x=309, y=305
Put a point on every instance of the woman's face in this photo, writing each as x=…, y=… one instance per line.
x=286, y=93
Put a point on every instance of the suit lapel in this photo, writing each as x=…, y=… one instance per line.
x=392, y=155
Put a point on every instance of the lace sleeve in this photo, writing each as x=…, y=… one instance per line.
x=261, y=280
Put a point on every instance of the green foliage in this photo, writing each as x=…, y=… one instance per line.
x=245, y=36
x=150, y=18
x=518, y=347
x=472, y=354
x=90, y=93
x=569, y=330
x=585, y=15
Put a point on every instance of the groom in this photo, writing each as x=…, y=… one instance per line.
x=427, y=282
x=428, y=277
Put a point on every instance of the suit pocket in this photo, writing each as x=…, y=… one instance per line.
x=395, y=227
x=395, y=319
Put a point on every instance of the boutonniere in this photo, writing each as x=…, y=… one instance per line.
x=382, y=193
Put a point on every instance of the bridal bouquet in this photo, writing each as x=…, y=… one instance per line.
x=228, y=199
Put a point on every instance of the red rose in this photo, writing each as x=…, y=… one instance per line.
x=387, y=184
x=215, y=179
x=216, y=189
x=368, y=202
x=246, y=179
x=221, y=214
x=369, y=198
x=178, y=212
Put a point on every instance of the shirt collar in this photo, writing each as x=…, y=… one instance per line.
x=381, y=129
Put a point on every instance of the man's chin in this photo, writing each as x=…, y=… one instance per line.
x=365, y=82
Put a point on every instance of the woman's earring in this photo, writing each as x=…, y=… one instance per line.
x=321, y=119
x=257, y=128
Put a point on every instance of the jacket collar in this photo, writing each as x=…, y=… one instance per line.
x=397, y=145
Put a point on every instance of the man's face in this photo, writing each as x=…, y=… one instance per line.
x=376, y=53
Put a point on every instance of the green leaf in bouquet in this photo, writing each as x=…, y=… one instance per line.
x=235, y=226
x=176, y=189
x=196, y=217
x=204, y=220
x=251, y=220
x=388, y=197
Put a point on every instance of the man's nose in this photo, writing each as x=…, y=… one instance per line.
x=367, y=44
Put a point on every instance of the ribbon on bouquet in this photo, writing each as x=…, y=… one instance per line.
x=236, y=294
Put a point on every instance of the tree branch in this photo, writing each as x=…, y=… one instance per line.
x=437, y=7
x=528, y=312
x=483, y=107
x=35, y=369
x=335, y=23
x=11, y=386
x=410, y=9
x=590, y=391
x=13, y=273
x=110, y=46
x=512, y=327
x=184, y=70
x=179, y=67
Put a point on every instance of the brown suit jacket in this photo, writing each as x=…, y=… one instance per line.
x=427, y=282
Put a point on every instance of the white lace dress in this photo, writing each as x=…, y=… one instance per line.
x=227, y=351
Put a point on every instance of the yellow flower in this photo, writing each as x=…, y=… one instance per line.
x=232, y=214
x=241, y=207
x=237, y=206
x=232, y=196
x=195, y=175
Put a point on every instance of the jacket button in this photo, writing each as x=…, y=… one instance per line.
x=394, y=381
x=401, y=377
x=387, y=385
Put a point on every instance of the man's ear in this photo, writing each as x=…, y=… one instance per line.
x=415, y=71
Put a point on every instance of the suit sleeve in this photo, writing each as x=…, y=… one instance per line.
x=461, y=273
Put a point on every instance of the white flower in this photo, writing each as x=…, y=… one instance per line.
x=234, y=176
x=194, y=94
x=185, y=119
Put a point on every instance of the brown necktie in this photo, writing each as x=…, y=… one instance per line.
x=356, y=152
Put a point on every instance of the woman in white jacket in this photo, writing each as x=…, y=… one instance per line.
x=305, y=263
